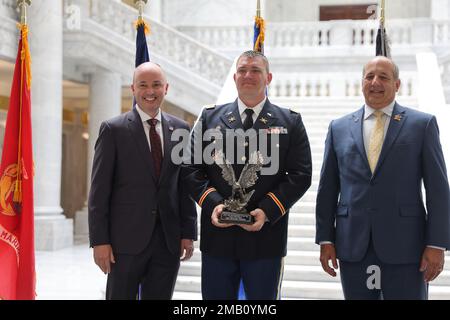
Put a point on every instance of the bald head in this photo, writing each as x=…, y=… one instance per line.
x=380, y=82
x=149, y=67
x=395, y=70
x=149, y=87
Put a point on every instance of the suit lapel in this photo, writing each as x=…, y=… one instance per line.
x=356, y=123
x=137, y=130
x=167, y=129
x=398, y=118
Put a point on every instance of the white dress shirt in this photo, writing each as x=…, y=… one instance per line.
x=256, y=109
x=145, y=117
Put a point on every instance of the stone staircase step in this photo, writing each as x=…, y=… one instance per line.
x=301, y=230
x=311, y=290
x=296, y=218
x=302, y=244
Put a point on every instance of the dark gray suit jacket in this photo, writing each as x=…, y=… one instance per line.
x=125, y=196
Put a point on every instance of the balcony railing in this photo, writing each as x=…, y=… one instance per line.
x=331, y=84
x=351, y=33
x=182, y=50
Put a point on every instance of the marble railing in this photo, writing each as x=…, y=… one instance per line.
x=326, y=33
x=329, y=84
x=445, y=76
x=163, y=40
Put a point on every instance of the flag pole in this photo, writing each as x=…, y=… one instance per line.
x=259, y=30
x=382, y=21
x=140, y=4
x=22, y=4
x=258, y=8
x=25, y=72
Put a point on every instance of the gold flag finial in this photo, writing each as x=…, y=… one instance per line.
x=22, y=4
x=140, y=4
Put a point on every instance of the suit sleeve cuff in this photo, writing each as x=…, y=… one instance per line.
x=210, y=197
x=272, y=207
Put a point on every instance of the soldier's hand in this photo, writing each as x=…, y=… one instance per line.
x=260, y=219
x=103, y=257
x=215, y=217
x=327, y=253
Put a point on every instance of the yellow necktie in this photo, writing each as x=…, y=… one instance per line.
x=376, y=139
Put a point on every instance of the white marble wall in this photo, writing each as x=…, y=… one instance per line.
x=154, y=9
x=440, y=9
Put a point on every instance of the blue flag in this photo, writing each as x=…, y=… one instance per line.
x=141, y=44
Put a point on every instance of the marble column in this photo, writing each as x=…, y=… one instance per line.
x=105, y=99
x=52, y=229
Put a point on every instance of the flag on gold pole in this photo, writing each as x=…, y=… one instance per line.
x=17, y=263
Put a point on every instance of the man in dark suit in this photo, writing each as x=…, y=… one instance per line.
x=141, y=219
x=370, y=212
x=253, y=253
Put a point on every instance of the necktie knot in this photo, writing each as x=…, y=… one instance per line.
x=152, y=122
x=249, y=112
x=378, y=114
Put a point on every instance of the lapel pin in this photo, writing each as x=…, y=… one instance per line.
x=171, y=128
x=231, y=119
x=269, y=114
x=263, y=120
x=398, y=117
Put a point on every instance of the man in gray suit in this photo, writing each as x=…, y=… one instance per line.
x=370, y=213
x=141, y=219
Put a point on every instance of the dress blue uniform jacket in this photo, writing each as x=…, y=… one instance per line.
x=354, y=205
x=275, y=194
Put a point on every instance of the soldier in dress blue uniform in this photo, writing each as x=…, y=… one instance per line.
x=253, y=253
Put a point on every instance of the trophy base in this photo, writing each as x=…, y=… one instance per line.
x=238, y=218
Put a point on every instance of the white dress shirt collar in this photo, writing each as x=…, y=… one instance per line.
x=256, y=109
x=368, y=110
x=144, y=116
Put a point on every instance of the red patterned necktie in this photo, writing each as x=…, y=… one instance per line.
x=155, y=143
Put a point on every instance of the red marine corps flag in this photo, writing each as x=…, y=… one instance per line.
x=17, y=267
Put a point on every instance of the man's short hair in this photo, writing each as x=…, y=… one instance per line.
x=255, y=54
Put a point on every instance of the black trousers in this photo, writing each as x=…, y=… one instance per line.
x=154, y=271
